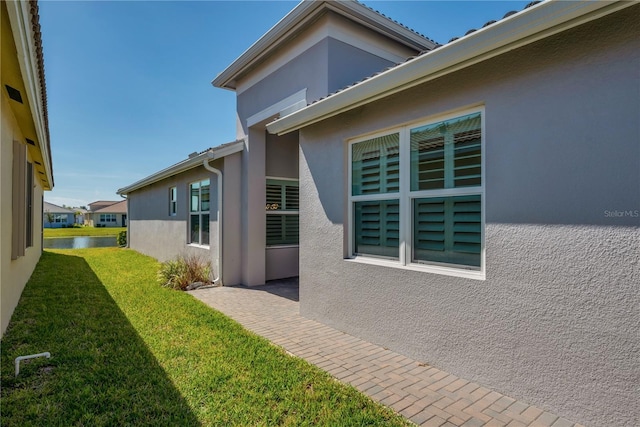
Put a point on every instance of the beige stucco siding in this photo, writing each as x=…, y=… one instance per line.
x=14, y=274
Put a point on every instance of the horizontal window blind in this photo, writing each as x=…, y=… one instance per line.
x=282, y=195
x=447, y=154
x=282, y=204
x=377, y=228
x=282, y=229
x=448, y=230
x=376, y=165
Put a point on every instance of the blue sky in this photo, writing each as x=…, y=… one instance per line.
x=129, y=83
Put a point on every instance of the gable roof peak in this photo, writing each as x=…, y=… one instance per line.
x=304, y=14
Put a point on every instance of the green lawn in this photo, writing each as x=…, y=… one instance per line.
x=126, y=351
x=82, y=231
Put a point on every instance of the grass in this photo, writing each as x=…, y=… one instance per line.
x=126, y=351
x=82, y=231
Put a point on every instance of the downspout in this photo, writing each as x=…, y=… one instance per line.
x=207, y=166
x=126, y=197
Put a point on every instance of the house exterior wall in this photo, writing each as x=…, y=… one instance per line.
x=95, y=220
x=556, y=321
x=70, y=221
x=154, y=232
x=232, y=220
x=329, y=25
x=325, y=67
x=14, y=274
x=282, y=156
x=319, y=61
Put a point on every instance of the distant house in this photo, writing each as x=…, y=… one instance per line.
x=55, y=216
x=474, y=205
x=26, y=169
x=107, y=214
x=80, y=215
x=97, y=205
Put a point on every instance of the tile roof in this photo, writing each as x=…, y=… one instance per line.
x=37, y=40
x=51, y=208
x=195, y=159
x=394, y=21
x=470, y=31
x=118, y=207
x=111, y=202
x=219, y=147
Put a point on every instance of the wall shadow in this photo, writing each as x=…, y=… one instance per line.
x=101, y=372
x=285, y=288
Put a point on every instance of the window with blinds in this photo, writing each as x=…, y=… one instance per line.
x=447, y=230
x=377, y=228
x=200, y=198
x=376, y=165
x=423, y=207
x=282, y=204
x=375, y=176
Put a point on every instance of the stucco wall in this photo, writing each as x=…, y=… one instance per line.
x=152, y=231
x=308, y=70
x=556, y=321
x=14, y=274
x=324, y=67
x=281, y=154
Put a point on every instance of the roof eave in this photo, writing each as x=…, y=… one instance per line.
x=183, y=166
x=535, y=23
x=26, y=33
x=304, y=12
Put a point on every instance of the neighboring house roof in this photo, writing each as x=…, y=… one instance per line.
x=29, y=82
x=194, y=160
x=118, y=207
x=513, y=31
x=55, y=209
x=305, y=13
x=104, y=202
x=99, y=204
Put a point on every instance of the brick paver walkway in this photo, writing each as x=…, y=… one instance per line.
x=425, y=395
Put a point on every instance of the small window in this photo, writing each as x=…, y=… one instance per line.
x=199, y=212
x=282, y=206
x=173, y=201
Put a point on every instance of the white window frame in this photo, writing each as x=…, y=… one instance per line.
x=173, y=202
x=200, y=213
x=406, y=197
x=283, y=212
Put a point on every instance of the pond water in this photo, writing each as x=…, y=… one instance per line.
x=80, y=242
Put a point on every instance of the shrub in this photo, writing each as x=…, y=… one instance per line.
x=183, y=271
x=122, y=238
